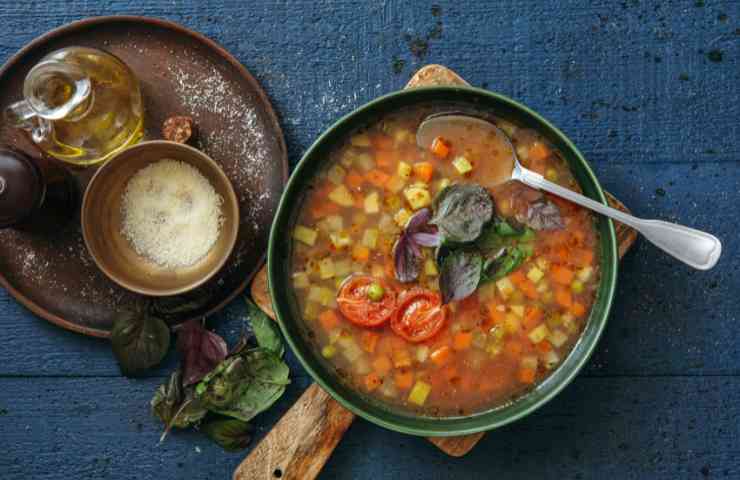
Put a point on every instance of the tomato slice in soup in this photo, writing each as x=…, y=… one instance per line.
x=419, y=316
x=357, y=305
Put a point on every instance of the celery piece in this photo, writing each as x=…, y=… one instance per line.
x=538, y=333
x=535, y=274
x=417, y=197
x=305, y=235
x=419, y=393
x=462, y=165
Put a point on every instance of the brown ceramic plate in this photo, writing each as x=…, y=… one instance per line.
x=181, y=72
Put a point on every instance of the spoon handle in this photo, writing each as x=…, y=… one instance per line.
x=695, y=248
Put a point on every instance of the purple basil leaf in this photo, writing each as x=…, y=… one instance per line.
x=427, y=239
x=461, y=211
x=407, y=259
x=544, y=215
x=200, y=349
x=460, y=275
x=418, y=220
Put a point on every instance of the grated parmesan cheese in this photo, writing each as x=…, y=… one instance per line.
x=171, y=213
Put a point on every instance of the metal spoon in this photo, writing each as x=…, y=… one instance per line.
x=698, y=249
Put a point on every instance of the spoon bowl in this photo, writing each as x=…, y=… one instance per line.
x=695, y=248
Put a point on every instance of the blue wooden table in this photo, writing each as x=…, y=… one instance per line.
x=649, y=91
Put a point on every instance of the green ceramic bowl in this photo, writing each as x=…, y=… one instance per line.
x=284, y=302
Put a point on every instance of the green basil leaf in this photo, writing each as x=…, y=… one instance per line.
x=176, y=406
x=265, y=329
x=499, y=267
x=460, y=275
x=245, y=385
x=231, y=434
x=461, y=211
x=139, y=340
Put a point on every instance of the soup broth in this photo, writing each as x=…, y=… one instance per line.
x=385, y=322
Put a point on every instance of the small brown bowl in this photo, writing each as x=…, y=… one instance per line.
x=101, y=219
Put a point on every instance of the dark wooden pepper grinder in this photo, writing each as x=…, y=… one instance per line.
x=35, y=194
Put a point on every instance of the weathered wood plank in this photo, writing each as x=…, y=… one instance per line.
x=657, y=428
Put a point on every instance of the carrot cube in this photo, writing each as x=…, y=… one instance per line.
x=563, y=297
x=526, y=375
x=382, y=365
x=377, y=178
x=361, y=253
x=462, y=340
x=423, y=171
x=440, y=147
x=441, y=355
x=369, y=341
x=403, y=380
x=372, y=381
x=562, y=275
x=328, y=320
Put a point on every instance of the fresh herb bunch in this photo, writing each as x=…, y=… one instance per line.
x=214, y=388
x=472, y=244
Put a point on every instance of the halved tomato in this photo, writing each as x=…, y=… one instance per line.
x=355, y=300
x=419, y=316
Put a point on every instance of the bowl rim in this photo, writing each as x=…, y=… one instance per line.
x=108, y=165
x=282, y=312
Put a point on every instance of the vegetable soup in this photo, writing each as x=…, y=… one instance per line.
x=430, y=286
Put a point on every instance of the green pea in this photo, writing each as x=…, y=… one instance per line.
x=551, y=174
x=375, y=292
x=576, y=286
x=329, y=351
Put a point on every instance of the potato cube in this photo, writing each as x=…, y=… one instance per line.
x=300, y=280
x=341, y=196
x=404, y=170
x=326, y=268
x=305, y=235
x=370, y=238
x=401, y=217
x=417, y=196
x=372, y=203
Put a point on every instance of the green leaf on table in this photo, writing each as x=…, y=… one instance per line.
x=265, y=329
x=244, y=385
x=231, y=434
x=460, y=275
x=175, y=405
x=139, y=340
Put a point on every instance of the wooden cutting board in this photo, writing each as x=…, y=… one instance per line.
x=302, y=441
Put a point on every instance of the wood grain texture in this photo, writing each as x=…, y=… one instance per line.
x=299, y=445
x=630, y=82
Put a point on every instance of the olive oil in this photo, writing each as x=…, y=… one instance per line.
x=82, y=105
